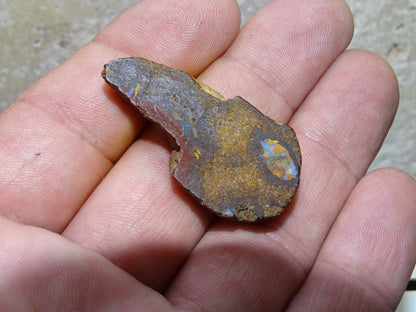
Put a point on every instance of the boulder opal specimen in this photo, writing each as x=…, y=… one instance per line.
x=237, y=162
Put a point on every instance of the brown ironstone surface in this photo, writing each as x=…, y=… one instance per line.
x=237, y=162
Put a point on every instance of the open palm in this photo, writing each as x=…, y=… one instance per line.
x=92, y=220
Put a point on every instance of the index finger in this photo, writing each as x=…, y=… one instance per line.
x=63, y=134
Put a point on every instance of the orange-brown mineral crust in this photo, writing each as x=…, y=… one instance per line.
x=237, y=162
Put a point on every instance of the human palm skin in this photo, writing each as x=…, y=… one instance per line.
x=91, y=219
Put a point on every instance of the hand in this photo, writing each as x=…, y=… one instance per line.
x=92, y=220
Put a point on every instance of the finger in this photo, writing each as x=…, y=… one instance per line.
x=281, y=53
x=42, y=271
x=187, y=35
x=70, y=131
x=341, y=126
x=272, y=260
x=369, y=254
x=172, y=221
